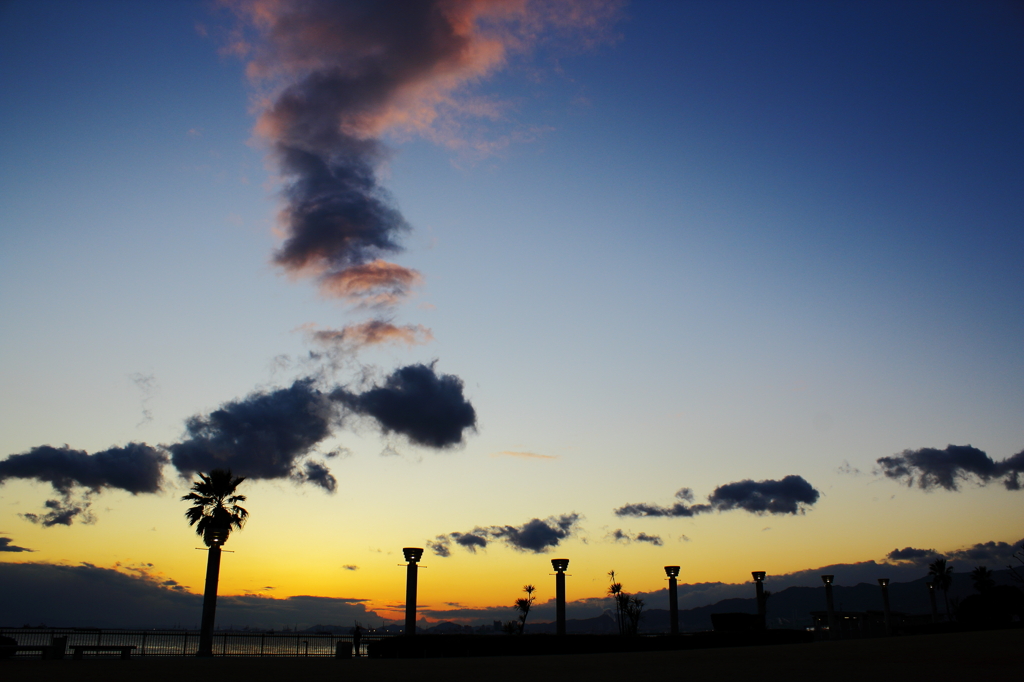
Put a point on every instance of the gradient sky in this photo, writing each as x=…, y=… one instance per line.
x=684, y=245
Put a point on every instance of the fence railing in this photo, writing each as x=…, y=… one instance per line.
x=186, y=642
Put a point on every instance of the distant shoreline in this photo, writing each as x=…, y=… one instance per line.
x=971, y=655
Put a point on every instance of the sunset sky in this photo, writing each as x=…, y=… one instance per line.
x=626, y=249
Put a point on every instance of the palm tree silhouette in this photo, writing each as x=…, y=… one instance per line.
x=983, y=580
x=214, y=512
x=943, y=579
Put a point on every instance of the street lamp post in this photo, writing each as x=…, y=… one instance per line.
x=762, y=607
x=560, y=565
x=673, y=599
x=833, y=632
x=884, y=583
x=412, y=555
x=931, y=597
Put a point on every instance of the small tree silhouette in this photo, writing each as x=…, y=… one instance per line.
x=523, y=605
x=943, y=578
x=628, y=608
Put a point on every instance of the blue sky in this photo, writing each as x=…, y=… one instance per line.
x=710, y=242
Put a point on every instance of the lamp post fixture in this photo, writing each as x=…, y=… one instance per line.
x=931, y=597
x=884, y=583
x=673, y=599
x=560, y=565
x=412, y=555
x=833, y=632
x=759, y=586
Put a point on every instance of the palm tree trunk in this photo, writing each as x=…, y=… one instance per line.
x=209, y=602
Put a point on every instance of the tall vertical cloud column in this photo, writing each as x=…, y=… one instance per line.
x=412, y=555
x=673, y=599
x=560, y=565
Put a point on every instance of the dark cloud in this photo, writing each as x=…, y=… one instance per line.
x=791, y=495
x=681, y=508
x=535, y=535
x=470, y=540
x=269, y=434
x=351, y=71
x=63, y=512
x=652, y=539
x=317, y=474
x=931, y=468
x=619, y=535
x=264, y=435
x=429, y=409
x=441, y=546
x=135, y=467
x=994, y=554
x=6, y=546
x=911, y=554
x=347, y=62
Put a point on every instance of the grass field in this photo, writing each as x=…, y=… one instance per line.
x=964, y=656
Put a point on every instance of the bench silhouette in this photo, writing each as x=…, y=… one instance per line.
x=47, y=650
x=125, y=651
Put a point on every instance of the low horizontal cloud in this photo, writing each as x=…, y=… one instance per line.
x=994, y=554
x=791, y=495
x=6, y=545
x=931, y=468
x=535, y=535
x=377, y=284
x=371, y=333
x=136, y=468
x=912, y=554
x=619, y=535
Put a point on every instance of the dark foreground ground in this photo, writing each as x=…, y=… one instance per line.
x=990, y=655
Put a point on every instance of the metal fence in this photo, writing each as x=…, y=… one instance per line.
x=186, y=642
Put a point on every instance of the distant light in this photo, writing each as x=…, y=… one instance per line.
x=884, y=582
x=412, y=554
x=827, y=579
x=672, y=571
x=560, y=564
x=758, y=576
x=931, y=586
